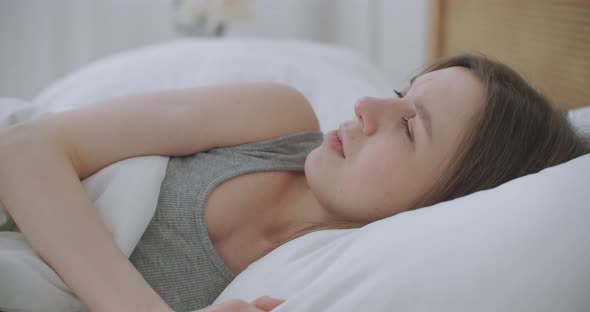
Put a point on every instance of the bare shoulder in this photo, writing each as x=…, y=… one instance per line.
x=292, y=107
x=267, y=110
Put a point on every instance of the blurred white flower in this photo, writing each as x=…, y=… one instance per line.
x=209, y=17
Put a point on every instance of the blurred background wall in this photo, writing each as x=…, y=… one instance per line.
x=41, y=41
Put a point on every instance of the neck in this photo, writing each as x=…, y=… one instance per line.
x=298, y=208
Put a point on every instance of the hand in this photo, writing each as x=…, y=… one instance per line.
x=262, y=304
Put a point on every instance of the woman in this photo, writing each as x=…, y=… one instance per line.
x=465, y=124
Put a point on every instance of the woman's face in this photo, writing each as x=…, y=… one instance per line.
x=385, y=169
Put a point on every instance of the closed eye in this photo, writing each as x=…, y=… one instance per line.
x=405, y=121
x=406, y=128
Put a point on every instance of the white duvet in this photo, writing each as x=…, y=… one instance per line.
x=523, y=246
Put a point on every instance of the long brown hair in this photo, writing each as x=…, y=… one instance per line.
x=518, y=132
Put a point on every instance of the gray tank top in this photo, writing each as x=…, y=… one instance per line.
x=175, y=255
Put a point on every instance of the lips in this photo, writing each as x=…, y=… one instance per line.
x=334, y=140
x=341, y=139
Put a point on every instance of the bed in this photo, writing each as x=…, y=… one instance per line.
x=523, y=246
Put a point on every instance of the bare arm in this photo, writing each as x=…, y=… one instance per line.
x=178, y=122
x=42, y=192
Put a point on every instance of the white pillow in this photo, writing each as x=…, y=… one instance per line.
x=331, y=77
x=580, y=118
x=523, y=246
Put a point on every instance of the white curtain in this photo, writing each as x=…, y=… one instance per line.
x=41, y=40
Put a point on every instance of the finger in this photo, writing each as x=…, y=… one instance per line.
x=267, y=303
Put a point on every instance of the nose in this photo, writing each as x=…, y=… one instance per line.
x=365, y=110
x=374, y=112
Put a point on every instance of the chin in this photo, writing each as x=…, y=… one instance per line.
x=317, y=165
x=316, y=170
x=310, y=164
x=323, y=178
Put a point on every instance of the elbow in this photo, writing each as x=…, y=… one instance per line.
x=26, y=140
x=33, y=139
x=14, y=139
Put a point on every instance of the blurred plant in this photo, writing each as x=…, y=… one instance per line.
x=209, y=17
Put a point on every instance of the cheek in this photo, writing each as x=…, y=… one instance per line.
x=384, y=176
x=376, y=185
x=383, y=166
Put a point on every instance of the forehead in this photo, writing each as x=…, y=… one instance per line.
x=453, y=96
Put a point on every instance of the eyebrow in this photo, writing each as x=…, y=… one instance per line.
x=423, y=113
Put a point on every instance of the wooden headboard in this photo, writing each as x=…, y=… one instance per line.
x=547, y=41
